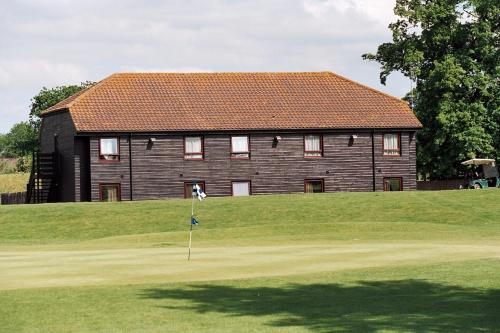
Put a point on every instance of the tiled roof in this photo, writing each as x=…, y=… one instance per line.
x=158, y=102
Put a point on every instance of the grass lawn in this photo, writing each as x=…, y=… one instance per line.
x=343, y=262
x=13, y=182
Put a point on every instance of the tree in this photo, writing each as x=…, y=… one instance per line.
x=450, y=48
x=20, y=141
x=50, y=97
x=2, y=145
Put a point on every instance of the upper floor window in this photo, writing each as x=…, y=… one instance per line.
x=109, y=149
x=392, y=144
x=313, y=145
x=240, y=147
x=193, y=147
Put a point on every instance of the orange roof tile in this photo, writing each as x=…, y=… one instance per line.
x=161, y=102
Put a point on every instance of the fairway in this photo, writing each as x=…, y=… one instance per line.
x=342, y=262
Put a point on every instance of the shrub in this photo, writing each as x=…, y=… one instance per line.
x=24, y=164
x=7, y=166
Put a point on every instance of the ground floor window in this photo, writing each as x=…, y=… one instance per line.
x=393, y=184
x=240, y=188
x=109, y=192
x=314, y=186
x=188, y=188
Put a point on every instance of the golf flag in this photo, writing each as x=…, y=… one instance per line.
x=198, y=192
x=194, y=221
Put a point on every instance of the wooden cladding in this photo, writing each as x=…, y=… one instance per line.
x=161, y=170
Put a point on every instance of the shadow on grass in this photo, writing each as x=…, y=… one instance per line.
x=407, y=305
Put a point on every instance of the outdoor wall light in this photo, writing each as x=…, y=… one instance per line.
x=276, y=139
x=354, y=136
x=151, y=140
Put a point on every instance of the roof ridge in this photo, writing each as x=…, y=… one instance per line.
x=368, y=87
x=218, y=73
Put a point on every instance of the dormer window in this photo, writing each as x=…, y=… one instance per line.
x=109, y=149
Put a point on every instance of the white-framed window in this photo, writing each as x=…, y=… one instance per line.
x=240, y=147
x=392, y=144
x=240, y=188
x=109, y=149
x=313, y=145
x=193, y=147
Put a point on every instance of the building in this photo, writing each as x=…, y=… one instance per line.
x=137, y=136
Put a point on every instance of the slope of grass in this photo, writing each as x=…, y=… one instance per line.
x=343, y=262
x=14, y=182
x=389, y=215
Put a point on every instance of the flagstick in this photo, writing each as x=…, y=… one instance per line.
x=191, y=227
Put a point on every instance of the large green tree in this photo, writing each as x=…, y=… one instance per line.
x=450, y=49
x=50, y=97
x=20, y=141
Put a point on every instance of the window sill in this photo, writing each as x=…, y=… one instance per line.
x=109, y=161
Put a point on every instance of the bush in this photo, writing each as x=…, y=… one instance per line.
x=24, y=164
x=7, y=166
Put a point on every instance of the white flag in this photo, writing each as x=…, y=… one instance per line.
x=198, y=192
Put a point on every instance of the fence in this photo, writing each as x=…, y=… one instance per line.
x=12, y=198
x=439, y=185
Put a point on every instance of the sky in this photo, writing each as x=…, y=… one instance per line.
x=47, y=43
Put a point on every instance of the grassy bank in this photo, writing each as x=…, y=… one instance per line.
x=344, y=262
x=14, y=182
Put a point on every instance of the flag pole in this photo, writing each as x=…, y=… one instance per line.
x=191, y=225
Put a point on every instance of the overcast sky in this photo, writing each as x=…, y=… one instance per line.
x=58, y=42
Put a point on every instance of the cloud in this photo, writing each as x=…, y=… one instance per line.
x=49, y=43
x=379, y=10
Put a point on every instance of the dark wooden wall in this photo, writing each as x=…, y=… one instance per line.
x=400, y=166
x=159, y=170
x=61, y=124
x=82, y=169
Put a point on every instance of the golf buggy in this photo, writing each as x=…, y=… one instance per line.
x=484, y=177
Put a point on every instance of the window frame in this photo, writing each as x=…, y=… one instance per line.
x=400, y=183
x=399, y=144
x=202, y=153
x=119, y=192
x=199, y=182
x=242, y=181
x=101, y=156
x=321, y=151
x=233, y=153
x=322, y=180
